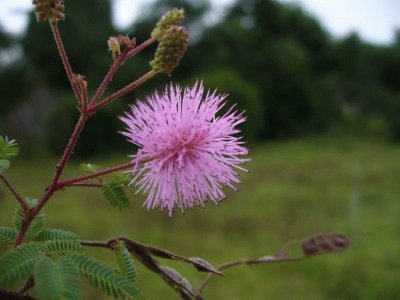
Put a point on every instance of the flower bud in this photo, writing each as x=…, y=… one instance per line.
x=114, y=46
x=173, y=17
x=49, y=10
x=170, y=50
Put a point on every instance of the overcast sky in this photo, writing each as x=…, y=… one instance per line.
x=374, y=20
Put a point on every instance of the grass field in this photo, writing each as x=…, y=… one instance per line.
x=295, y=189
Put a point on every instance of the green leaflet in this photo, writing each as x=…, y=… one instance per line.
x=57, y=280
x=37, y=224
x=115, y=194
x=8, y=148
x=104, y=277
x=7, y=235
x=4, y=165
x=125, y=261
x=17, y=264
x=58, y=248
x=56, y=234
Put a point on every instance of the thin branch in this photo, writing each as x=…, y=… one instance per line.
x=86, y=184
x=64, y=58
x=16, y=194
x=94, y=107
x=145, y=254
x=122, y=58
x=75, y=180
x=54, y=182
x=107, y=79
x=311, y=246
x=140, y=47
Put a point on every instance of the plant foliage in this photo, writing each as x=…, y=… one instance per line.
x=37, y=224
x=115, y=194
x=17, y=264
x=56, y=280
x=104, y=277
x=56, y=234
x=8, y=148
x=7, y=235
x=57, y=248
x=125, y=262
x=4, y=165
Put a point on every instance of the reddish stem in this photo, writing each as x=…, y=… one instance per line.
x=72, y=181
x=93, y=108
x=64, y=58
x=114, y=68
x=124, y=56
x=140, y=47
x=86, y=184
x=17, y=195
x=53, y=186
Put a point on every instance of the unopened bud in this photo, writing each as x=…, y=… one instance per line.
x=52, y=10
x=114, y=46
x=170, y=50
x=174, y=17
x=127, y=42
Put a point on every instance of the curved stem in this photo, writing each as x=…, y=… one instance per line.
x=53, y=186
x=125, y=55
x=64, y=58
x=75, y=180
x=140, y=47
x=94, y=107
x=17, y=195
x=113, y=69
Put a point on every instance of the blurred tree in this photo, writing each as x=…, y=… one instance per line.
x=85, y=33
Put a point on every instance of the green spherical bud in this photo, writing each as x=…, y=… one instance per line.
x=170, y=50
x=173, y=17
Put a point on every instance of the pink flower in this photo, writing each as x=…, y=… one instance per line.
x=187, y=153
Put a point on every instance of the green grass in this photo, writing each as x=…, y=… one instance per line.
x=295, y=189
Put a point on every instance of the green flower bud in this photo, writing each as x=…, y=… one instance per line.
x=170, y=50
x=49, y=10
x=173, y=17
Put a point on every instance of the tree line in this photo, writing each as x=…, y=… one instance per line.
x=276, y=61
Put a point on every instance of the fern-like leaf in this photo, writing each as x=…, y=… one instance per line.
x=57, y=280
x=17, y=264
x=8, y=148
x=4, y=165
x=115, y=194
x=125, y=261
x=48, y=234
x=36, y=225
x=104, y=277
x=7, y=235
x=58, y=248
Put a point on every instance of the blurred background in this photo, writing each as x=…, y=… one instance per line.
x=320, y=83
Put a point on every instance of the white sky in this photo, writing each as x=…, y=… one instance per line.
x=374, y=20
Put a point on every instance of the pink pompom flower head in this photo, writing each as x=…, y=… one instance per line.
x=187, y=153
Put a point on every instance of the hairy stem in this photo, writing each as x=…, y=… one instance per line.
x=86, y=184
x=122, y=58
x=140, y=47
x=94, y=107
x=75, y=180
x=16, y=194
x=64, y=58
x=107, y=79
x=54, y=182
